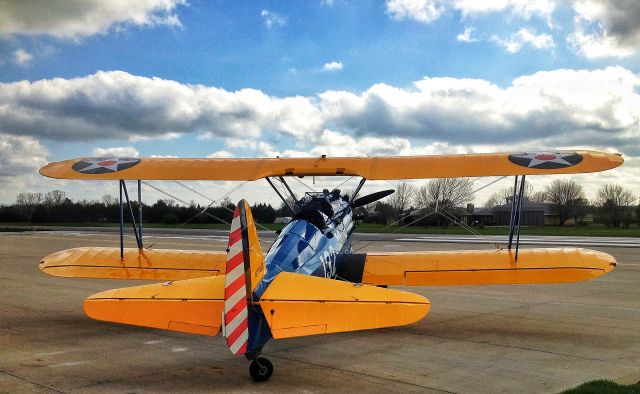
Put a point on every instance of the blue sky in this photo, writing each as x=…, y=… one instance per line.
x=266, y=78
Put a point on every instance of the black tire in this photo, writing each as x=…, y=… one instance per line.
x=261, y=369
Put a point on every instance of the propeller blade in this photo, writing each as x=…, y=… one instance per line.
x=369, y=198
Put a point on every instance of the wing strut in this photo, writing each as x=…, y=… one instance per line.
x=133, y=218
x=137, y=227
x=516, y=213
x=355, y=193
x=284, y=200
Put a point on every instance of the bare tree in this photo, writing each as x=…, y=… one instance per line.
x=567, y=196
x=29, y=199
x=109, y=200
x=614, y=202
x=56, y=197
x=539, y=197
x=401, y=199
x=500, y=197
x=444, y=192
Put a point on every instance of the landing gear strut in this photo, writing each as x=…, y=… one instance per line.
x=260, y=369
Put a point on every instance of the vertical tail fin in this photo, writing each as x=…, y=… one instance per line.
x=244, y=270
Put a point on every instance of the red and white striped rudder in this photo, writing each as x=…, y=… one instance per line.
x=236, y=317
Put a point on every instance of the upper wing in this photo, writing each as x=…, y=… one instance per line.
x=477, y=267
x=389, y=167
x=156, y=264
x=298, y=305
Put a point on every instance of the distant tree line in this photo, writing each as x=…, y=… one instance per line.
x=436, y=203
x=440, y=201
x=56, y=207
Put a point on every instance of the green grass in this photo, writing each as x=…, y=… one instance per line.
x=592, y=230
x=604, y=386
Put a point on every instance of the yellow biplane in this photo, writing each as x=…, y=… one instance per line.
x=310, y=281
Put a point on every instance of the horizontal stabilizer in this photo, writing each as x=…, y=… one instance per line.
x=156, y=264
x=383, y=167
x=193, y=305
x=298, y=305
x=484, y=267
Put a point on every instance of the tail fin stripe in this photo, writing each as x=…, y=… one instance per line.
x=240, y=345
x=244, y=260
x=237, y=333
x=235, y=286
x=234, y=262
x=232, y=300
x=235, y=236
x=233, y=275
x=231, y=314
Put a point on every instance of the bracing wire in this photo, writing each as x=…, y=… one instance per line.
x=214, y=201
x=444, y=213
x=202, y=212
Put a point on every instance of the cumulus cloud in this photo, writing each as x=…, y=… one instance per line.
x=121, y=151
x=78, y=18
x=273, y=19
x=20, y=155
x=522, y=8
x=606, y=29
x=123, y=106
x=466, y=35
x=565, y=106
x=221, y=154
x=427, y=11
x=525, y=37
x=22, y=57
x=333, y=66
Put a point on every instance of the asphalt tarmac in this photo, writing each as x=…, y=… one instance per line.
x=476, y=339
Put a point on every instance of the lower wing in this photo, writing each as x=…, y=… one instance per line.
x=476, y=267
x=156, y=264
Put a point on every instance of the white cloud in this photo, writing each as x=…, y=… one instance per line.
x=221, y=154
x=524, y=36
x=562, y=106
x=425, y=11
x=606, y=29
x=333, y=66
x=20, y=155
x=121, y=151
x=466, y=35
x=521, y=8
x=22, y=57
x=123, y=106
x=273, y=19
x=78, y=18
x=551, y=108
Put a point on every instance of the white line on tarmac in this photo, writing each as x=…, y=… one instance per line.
x=69, y=364
x=155, y=342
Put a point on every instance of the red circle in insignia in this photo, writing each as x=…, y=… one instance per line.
x=107, y=163
x=545, y=156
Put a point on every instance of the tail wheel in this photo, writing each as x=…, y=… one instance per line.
x=260, y=369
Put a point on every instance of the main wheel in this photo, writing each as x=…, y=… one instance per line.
x=260, y=369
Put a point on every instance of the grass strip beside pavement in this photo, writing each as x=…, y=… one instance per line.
x=604, y=386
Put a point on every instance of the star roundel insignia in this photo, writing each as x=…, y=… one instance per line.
x=104, y=165
x=546, y=160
